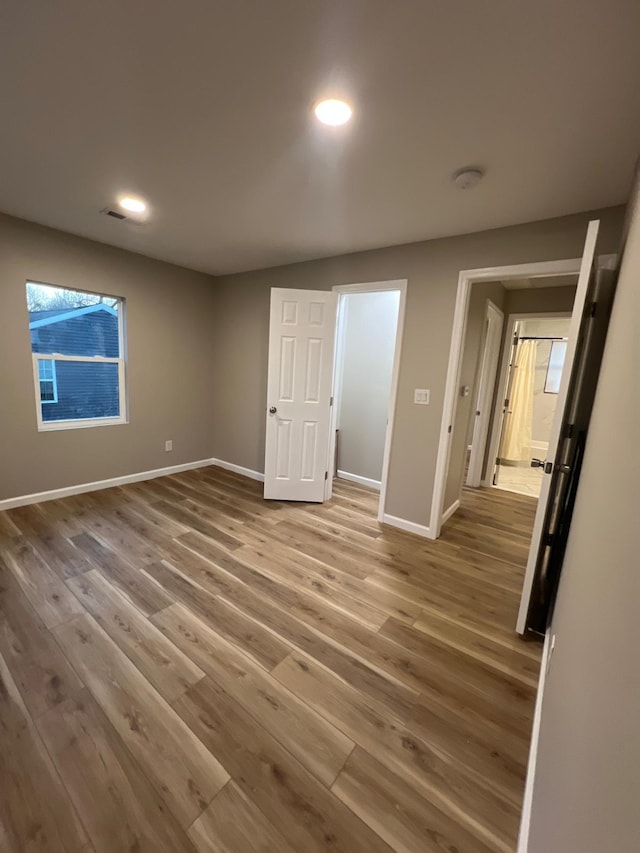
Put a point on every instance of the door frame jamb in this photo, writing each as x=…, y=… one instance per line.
x=490, y=361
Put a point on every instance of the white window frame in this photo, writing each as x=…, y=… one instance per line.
x=557, y=379
x=122, y=418
x=53, y=380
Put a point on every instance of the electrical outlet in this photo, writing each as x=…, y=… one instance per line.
x=421, y=396
x=168, y=445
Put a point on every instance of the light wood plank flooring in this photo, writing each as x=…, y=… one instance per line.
x=185, y=667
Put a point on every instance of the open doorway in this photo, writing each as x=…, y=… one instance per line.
x=486, y=357
x=570, y=372
x=538, y=347
x=368, y=342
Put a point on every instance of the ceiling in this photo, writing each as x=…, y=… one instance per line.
x=204, y=108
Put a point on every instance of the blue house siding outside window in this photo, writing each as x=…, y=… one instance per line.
x=77, y=390
x=85, y=391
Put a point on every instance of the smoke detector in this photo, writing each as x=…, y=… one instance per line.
x=467, y=178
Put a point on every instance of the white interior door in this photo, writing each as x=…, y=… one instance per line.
x=300, y=375
x=553, y=461
x=488, y=372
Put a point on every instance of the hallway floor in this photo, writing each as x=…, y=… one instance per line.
x=185, y=667
x=523, y=481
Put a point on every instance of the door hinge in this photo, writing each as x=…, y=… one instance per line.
x=331, y=401
x=568, y=431
x=326, y=475
x=592, y=309
x=449, y=429
x=548, y=539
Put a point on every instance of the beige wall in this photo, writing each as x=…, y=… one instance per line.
x=544, y=299
x=198, y=350
x=585, y=797
x=474, y=338
x=432, y=268
x=371, y=320
x=169, y=314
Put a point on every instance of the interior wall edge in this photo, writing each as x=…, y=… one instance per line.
x=408, y=526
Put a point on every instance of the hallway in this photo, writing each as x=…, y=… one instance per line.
x=187, y=667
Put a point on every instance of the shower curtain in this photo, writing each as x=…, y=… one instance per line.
x=516, y=447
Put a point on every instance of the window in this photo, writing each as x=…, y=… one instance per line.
x=554, y=367
x=77, y=345
x=47, y=377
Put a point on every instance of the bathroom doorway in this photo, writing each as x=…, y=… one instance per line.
x=537, y=350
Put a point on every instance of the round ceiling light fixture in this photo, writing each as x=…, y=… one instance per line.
x=333, y=112
x=467, y=178
x=132, y=204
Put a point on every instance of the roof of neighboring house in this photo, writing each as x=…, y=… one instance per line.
x=46, y=318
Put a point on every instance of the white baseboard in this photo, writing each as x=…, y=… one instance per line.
x=238, y=469
x=525, y=820
x=446, y=515
x=81, y=488
x=409, y=526
x=356, y=478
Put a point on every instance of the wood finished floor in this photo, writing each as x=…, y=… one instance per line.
x=184, y=667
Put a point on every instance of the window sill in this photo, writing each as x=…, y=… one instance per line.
x=54, y=426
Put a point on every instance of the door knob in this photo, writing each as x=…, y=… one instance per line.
x=546, y=466
x=272, y=410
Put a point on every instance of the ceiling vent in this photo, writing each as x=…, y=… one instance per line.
x=133, y=218
x=115, y=213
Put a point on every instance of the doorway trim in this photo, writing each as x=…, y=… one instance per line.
x=486, y=388
x=501, y=382
x=368, y=287
x=543, y=269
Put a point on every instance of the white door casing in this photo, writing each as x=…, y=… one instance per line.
x=486, y=385
x=300, y=374
x=584, y=276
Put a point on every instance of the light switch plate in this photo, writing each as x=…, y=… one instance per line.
x=421, y=396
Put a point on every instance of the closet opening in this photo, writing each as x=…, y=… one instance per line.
x=368, y=340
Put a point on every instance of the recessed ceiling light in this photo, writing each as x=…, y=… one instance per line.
x=467, y=179
x=333, y=112
x=133, y=205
